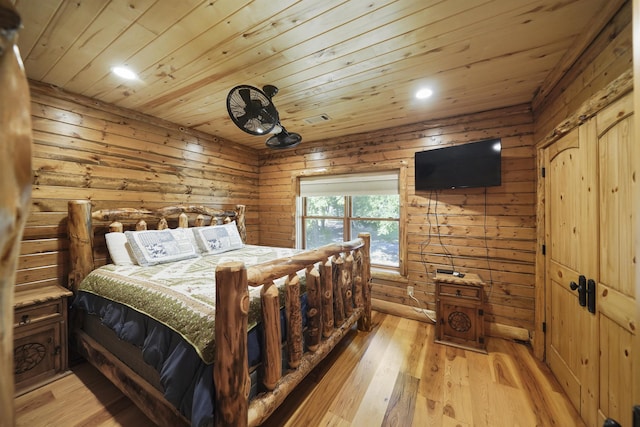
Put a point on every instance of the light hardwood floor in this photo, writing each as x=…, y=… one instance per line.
x=394, y=376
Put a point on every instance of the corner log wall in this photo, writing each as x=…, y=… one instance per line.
x=492, y=234
x=343, y=274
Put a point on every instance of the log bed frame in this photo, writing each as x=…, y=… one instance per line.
x=338, y=292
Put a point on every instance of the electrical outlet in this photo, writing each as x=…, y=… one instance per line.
x=410, y=291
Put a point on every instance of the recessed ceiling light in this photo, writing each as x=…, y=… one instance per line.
x=124, y=72
x=424, y=93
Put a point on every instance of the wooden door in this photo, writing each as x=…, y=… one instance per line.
x=616, y=293
x=571, y=242
x=590, y=189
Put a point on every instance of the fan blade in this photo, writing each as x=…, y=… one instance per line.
x=245, y=94
x=243, y=119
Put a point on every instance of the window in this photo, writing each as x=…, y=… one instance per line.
x=338, y=207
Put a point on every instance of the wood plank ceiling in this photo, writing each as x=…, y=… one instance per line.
x=358, y=62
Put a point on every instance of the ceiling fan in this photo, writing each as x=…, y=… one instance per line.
x=252, y=110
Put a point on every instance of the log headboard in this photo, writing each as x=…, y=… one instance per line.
x=83, y=222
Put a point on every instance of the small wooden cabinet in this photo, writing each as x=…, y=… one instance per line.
x=39, y=336
x=460, y=311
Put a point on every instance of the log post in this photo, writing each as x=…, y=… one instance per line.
x=272, y=352
x=15, y=189
x=240, y=222
x=347, y=285
x=294, y=320
x=183, y=220
x=162, y=224
x=314, y=312
x=364, y=324
x=116, y=227
x=141, y=225
x=80, y=241
x=338, y=295
x=326, y=285
x=358, y=300
x=199, y=221
x=230, y=369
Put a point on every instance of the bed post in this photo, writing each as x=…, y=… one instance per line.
x=240, y=222
x=364, y=324
x=80, y=241
x=15, y=189
x=230, y=369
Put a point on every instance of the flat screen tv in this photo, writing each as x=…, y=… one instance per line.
x=475, y=164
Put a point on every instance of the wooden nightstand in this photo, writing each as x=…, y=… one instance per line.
x=460, y=311
x=40, y=336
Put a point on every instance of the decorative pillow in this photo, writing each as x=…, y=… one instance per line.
x=151, y=247
x=118, y=251
x=215, y=239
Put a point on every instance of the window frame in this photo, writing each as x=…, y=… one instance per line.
x=301, y=209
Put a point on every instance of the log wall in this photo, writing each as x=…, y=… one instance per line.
x=606, y=58
x=114, y=157
x=506, y=257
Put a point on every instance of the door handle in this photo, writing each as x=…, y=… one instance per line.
x=591, y=296
x=581, y=286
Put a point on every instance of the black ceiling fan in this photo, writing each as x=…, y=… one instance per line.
x=252, y=110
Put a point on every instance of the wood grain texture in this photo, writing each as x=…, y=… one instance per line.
x=359, y=63
x=120, y=159
x=15, y=189
x=272, y=359
x=230, y=369
x=443, y=227
x=505, y=387
x=397, y=375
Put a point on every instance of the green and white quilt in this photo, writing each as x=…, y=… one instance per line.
x=181, y=294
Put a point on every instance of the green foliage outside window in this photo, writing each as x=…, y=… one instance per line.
x=326, y=218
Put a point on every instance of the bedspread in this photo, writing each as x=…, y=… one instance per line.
x=181, y=294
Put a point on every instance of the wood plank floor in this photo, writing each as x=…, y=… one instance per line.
x=393, y=376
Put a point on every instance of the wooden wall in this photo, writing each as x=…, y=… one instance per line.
x=605, y=59
x=85, y=150
x=507, y=255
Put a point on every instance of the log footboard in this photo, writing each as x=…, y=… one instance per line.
x=345, y=269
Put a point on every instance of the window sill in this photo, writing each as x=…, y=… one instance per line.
x=388, y=275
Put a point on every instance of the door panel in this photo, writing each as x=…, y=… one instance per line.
x=570, y=196
x=616, y=286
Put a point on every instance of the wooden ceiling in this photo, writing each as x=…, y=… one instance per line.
x=359, y=62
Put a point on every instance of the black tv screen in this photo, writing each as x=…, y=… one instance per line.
x=476, y=164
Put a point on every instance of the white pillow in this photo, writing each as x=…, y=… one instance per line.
x=150, y=247
x=215, y=239
x=118, y=251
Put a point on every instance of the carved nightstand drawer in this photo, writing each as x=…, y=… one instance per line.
x=460, y=291
x=38, y=313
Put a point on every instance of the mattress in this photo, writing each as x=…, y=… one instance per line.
x=181, y=294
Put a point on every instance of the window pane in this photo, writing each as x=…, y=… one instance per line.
x=383, y=206
x=384, y=240
x=323, y=231
x=325, y=206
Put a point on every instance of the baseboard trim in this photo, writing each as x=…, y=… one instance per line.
x=498, y=330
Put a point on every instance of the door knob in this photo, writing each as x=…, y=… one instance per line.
x=581, y=286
